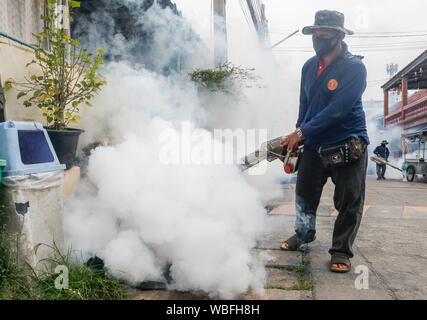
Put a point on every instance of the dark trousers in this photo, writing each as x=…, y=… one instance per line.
x=349, y=197
x=381, y=170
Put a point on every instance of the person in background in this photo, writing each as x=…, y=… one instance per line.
x=382, y=152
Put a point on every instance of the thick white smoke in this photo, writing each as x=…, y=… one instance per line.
x=139, y=213
x=202, y=219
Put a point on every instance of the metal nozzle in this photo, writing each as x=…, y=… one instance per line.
x=270, y=151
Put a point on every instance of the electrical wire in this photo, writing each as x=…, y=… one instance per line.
x=391, y=32
x=243, y=10
x=361, y=50
x=361, y=35
x=254, y=10
x=246, y=14
x=370, y=48
x=389, y=36
x=379, y=80
x=367, y=37
x=368, y=32
x=257, y=10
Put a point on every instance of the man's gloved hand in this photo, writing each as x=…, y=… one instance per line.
x=291, y=141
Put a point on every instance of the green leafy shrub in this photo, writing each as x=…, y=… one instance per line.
x=224, y=78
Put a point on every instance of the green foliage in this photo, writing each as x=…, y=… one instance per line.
x=75, y=4
x=13, y=281
x=19, y=281
x=303, y=276
x=304, y=281
x=85, y=283
x=224, y=78
x=69, y=75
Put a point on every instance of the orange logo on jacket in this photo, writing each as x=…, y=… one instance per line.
x=332, y=84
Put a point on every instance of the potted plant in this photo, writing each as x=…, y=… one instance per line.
x=68, y=79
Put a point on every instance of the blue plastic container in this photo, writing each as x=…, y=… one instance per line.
x=2, y=165
x=27, y=149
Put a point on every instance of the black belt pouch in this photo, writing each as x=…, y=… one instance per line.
x=342, y=153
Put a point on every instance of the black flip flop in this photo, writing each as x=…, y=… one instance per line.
x=340, y=259
x=293, y=243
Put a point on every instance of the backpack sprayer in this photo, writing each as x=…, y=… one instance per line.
x=272, y=150
x=379, y=160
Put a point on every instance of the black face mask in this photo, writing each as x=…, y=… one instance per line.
x=323, y=46
x=383, y=145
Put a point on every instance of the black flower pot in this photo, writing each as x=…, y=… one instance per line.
x=65, y=144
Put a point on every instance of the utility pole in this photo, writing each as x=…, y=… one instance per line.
x=253, y=15
x=260, y=21
x=392, y=69
x=264, y=26
x=220, y=32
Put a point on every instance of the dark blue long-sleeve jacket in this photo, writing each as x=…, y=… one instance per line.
x=335, y=112
x=384, y=153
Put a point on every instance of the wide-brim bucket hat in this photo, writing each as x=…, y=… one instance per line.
x=328, y=19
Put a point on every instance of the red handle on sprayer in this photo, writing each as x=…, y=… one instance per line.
x=288, y=168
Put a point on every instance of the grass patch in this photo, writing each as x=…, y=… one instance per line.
x=277, y=286
x=84, y=282
x=303, y=280
x=19, y=281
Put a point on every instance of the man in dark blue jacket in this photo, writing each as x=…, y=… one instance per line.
x=330, y=113
x=382, y=152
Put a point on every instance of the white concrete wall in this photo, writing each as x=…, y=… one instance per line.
x=21, y=18
x=13, y=60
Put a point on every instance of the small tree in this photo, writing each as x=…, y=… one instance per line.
x=69, y=74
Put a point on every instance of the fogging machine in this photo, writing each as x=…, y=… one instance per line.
x=272, y=150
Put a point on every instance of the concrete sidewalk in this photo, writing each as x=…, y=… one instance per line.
x=390, y=249
x=390, y=244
